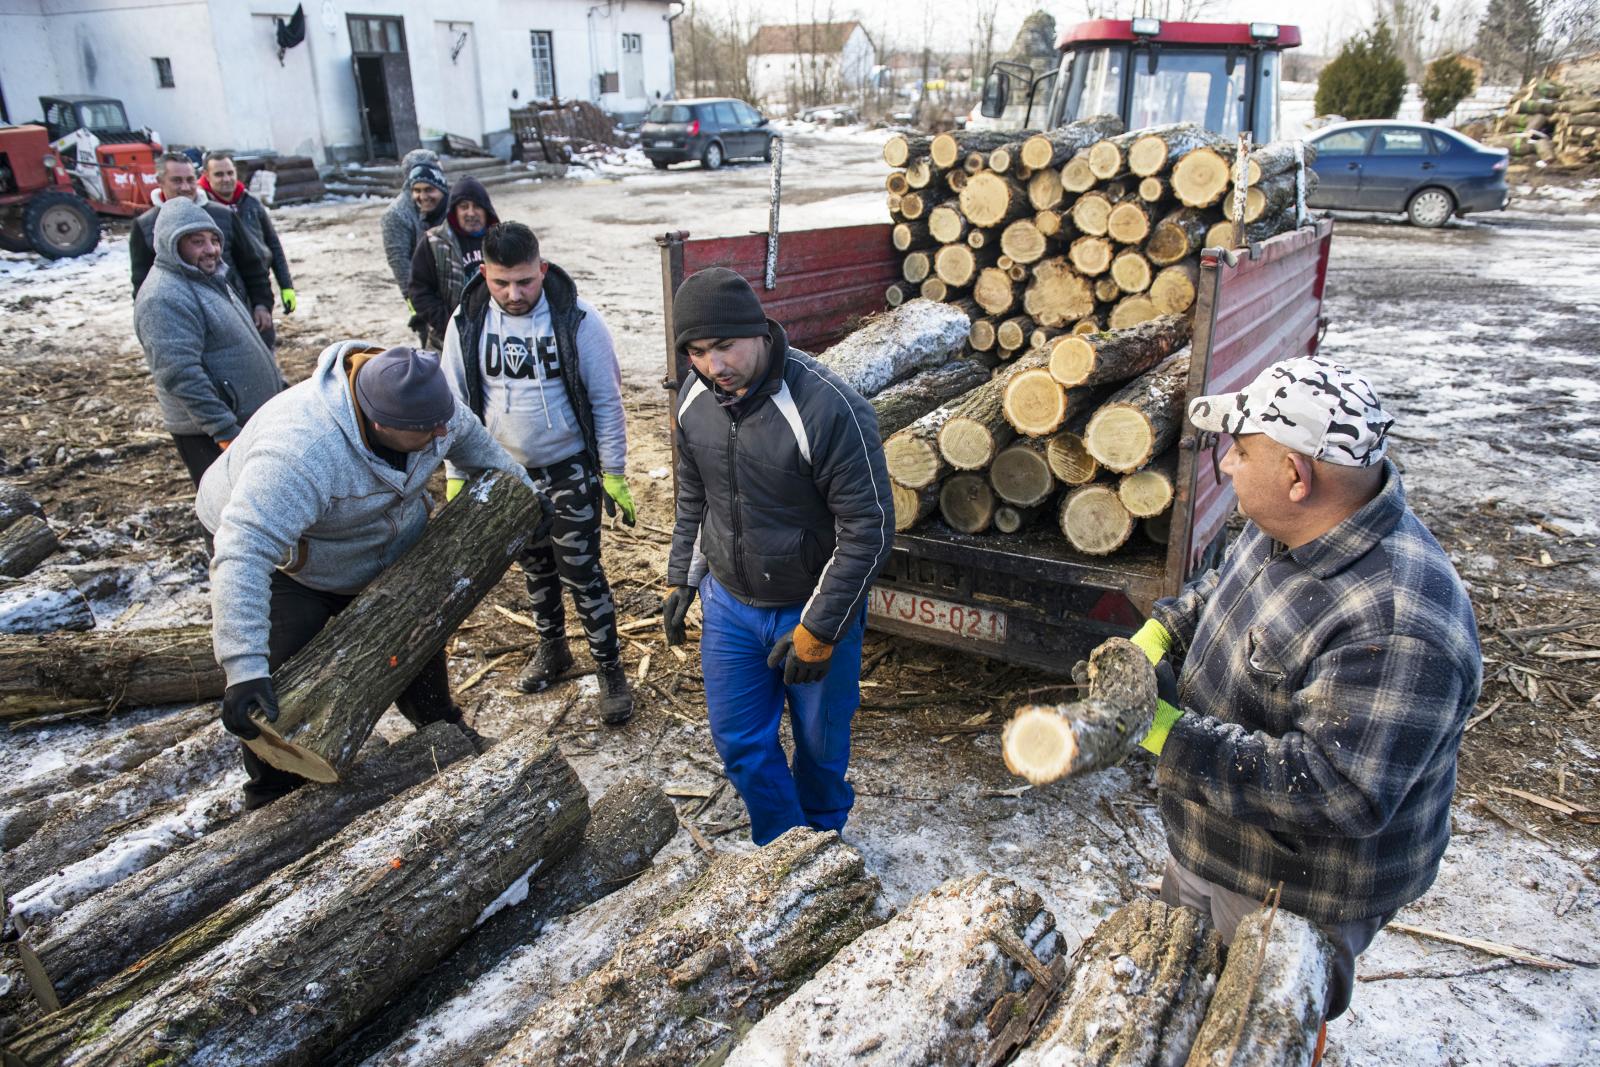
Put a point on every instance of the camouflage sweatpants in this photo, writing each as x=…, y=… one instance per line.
x=571, y=558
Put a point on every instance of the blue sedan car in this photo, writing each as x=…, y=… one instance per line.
x=1428, y=172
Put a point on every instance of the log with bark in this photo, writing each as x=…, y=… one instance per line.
x=1023, y=242
x=1008, y=518
x=911, y=506
x=628, y=825
x=1055, y=147
x=916, y=267
x=106, y=670
x=1045, y=742
x=1091, y=214
x=898, y=294
x=911, y=236
x=114, y=928
x=920, y=989
x=995, y=291
x=1045, y=191
x=1152, y=190
x=958, y=265
x=1069, y=461
x=1049, y=223
x=1137, y=993
x=1154, y=150
x=331, y=693
x=1142, y=419
x=1272, y=197
x=15, y=502
x=1131, y=271
x=754, y=928
x=24, y=544
x=912, y=455
x=1201, y=177
x=902, y=148
x=1108, y=157
x=896, y=344
x=1179, y=235
x=919, y=173
x=936, y=291
x=948, y=149
x=1269, y=1002
x=990, y=199
x=917, y=205
x=1057, y=294
x=1094, y=519
x=966, y=503
x=979, y=238
x=1021, y=474
x=1276, y=157
x=1106, y=289
x=1130, y=222
x=1088, y=324
x=1035, y=404
x=43, y=604
x=1118, y=356
x=896, y=183
x=1012, y=334
x=283, y=972
x=1076, y=177
x=982, y=335
x=947, y=225
x=1091, y=256
x=977, y=429
x=1174, y=289
x=906, y=401
x=1149, y=491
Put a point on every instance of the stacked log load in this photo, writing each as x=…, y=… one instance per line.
x=1075, y=257
x=1548, y=122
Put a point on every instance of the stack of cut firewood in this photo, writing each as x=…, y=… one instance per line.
x=1081, y=228
x=1552, y=122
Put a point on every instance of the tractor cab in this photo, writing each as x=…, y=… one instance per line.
x=1221, y=76
x=112, y=165
x=100, y=115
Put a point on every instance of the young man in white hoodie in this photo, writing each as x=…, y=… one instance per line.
x=536, y=363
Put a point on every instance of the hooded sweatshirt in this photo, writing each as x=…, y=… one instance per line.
x=446, y=259
x=211, y=369
x=404, y=225
x=303, y=491
x=247, y=269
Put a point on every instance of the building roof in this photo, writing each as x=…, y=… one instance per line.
x=802, y=38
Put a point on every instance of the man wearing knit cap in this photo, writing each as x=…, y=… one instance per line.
x=1314, y=688
x=419, y=206
x=324, y=489
x=447, y=258
x=784, y=519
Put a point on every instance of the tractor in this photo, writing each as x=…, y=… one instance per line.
x=39, y=210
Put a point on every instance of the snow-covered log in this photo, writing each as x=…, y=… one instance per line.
x=24, y=545
x=43, y=604
x=109, y=669
x=896, y=344
x=906, y=401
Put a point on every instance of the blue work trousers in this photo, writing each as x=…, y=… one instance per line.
x=744, y=702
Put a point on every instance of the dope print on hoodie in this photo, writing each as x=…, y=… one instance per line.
x=525, y=402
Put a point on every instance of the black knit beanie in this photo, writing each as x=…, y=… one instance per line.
x=717, y=302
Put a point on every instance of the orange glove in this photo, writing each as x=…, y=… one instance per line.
x=804, y=656
x=224, y=445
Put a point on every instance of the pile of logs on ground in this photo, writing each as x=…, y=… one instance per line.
x=1548, y=122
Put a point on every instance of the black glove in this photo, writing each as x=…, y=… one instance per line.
x=674, y=612
x=547, y=518
x=1166, y=682
x=797, y=671
x=240, y=699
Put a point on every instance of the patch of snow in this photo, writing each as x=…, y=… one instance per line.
x=514, y=894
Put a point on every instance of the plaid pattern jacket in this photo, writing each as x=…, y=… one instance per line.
x=1325, y=692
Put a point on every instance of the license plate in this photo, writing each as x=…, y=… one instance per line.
x=663, y=144
x=931, y=613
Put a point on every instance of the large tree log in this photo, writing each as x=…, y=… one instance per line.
x=1131, y=271
x=966, y=503
x=947, y=225
x=1076, y=177
x=331, y=693
x=754, y=928
x=958, y=265
x=1091, y=256
x=1035, y=404
x=27, y=804
x=1271, y=997
x=1012, y=334
x=42, y=605
x=1069, y=461
x=990, y=199
x=1271, y=197
x=1023, y=242
x=996, y=292
x=114, y=928
x=1044, y=742
x=628, y=825
x=902, y=148
x=948, y=149
x=911, y=506
x=977, y=429
x=912, y=455
x=1276, y=157
x=1021, y=474
x=1177, y=237
x=1118, y=356
x=1057, y=294
x=917, y=990
x=1131, y=310
x=907, y=401
x=1174, y=289
x=24, y=545
x=1154, y=150
x=107, y=670
x=1091, y=213
x=1094, y=520
x=1055, y=147
x=1201, y=177
x=896, y=344
x=1149, y=491
x=15, y=503
x=281, y=974
x=1142, y=419
x=1137, y=993
x=1108, y=157
x=1129, y=222
x=1045, y=191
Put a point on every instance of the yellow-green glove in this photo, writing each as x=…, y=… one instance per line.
x=616, y=487
x=1153, y=640
x=1166, y=715
x=452, y=486
x=290, y=301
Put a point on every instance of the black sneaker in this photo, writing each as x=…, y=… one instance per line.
x=616, y=695
x=550, y=661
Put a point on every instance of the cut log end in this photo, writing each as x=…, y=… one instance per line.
x=288, y=756
x=1021, y=476
x=1146, y=493
x=911, y=506
x=1201, y=178
x=913, y=461
x=967, y=503
x=1131, y=310
x=1094, y=520
x=1069, y=461
x=1120, y=437
x=967, y=444
x=1037, y=744
x=1131, y=272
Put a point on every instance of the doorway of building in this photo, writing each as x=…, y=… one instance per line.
x=383, y=85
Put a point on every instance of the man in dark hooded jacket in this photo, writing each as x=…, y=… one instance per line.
x=447, y=257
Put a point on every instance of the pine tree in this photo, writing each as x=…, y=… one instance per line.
x=1508, y=40
x=1367, y=80
x=1449, y=81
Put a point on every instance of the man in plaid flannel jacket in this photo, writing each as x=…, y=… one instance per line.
x=1316, y=686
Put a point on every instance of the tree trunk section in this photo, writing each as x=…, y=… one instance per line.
x=990, y=199
x=1049, y=223
x=911, y=506
x=1091, y=256
x=628, y=825
x=1131, y=310
x=1201, y=177
x=1155, y=150
x=947, y=225
x=1055, y=147
x=1021, y=475
x=1152, y=190
x=966, y=503
x=1094, y=520
x=281, y=974
x=981, y=336
x=995, y=292
x=916, y=267
x=1009, y=519
x=1057, y=294
x=919, y=173
x=1069, y=461
x=15, y=503
x=1148, y=492
x=977, y=429
x=1045, y=191
x=1076, y=177
x=1142, y=419
x=1012, y=335
x=1271, y=997
x=898, y=294
x=43, y=605
x=1225, y=234
x=917, y=990
x=936, y=291
x=912, y=455
x=1177, y=237
x=902, y=148
x=1276, y=157
x=1272, y=197
x=978, y=238
x=896, y=183
x=1091, y=214
x=1023, y=242
x=1129, y=222
x=1137, y=993
x=1045, y=742
x=752, y=930
x=905, y=402
x=1174, y=289
x=911, y=236
x=25, y=544
x=331, y=693
x=917, y=205
x=958, y=265
x=897, y=344
x=106, y=670
x=1119, y=356
x=1035, y=404
x=948, y=149
x=1108, y=158
x=1131, y=271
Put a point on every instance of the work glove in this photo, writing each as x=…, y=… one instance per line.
x=617, y=496
x=224, y=444
x=1153, y=640
x=290, y=301
x=805, y=659
x=240, y=699
x=452, y=486
x=1167, y=710
x=675, y=611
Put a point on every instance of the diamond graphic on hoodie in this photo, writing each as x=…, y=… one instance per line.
x=509, y=357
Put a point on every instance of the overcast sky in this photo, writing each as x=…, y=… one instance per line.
x=1323, y=25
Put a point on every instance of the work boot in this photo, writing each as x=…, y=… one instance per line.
x=550, y=661
x=616, y=695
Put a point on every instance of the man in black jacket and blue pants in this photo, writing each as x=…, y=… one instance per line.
x=784, y=519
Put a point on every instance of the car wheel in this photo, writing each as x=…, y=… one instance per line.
x=713, y=156
x=660, y=164
x=60, y=225
x=1430, y=207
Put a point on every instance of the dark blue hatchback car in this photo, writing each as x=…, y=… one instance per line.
x=1429, y=172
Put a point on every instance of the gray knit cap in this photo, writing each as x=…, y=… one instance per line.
x=404, y=389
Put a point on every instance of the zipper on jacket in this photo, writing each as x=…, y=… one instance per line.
x=733, y=486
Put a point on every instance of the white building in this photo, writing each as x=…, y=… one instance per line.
x=371, y=79
x=810, y=63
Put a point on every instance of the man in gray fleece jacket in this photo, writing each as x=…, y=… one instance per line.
x=325, y=489
x=211, y=368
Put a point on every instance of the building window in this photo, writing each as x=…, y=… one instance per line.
x=632, y=43
x=372, y=33
x=164, y=72
x=544, y=64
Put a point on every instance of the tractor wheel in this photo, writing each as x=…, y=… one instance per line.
x=60, y=225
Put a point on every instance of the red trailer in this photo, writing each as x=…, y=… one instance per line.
x=1029, y=597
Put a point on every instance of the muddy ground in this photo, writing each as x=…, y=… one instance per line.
x=1478, y=337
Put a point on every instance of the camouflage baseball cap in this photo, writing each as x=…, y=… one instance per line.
x=1310, y=405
